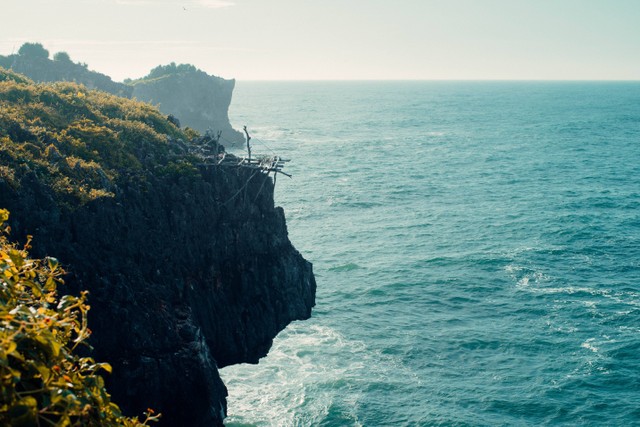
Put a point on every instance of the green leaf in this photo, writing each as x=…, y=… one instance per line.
x=48, y=344
x=24, y=413
x=64, y=422
x=11, y=347
x=107, y=367
x=44, y=372
x=4, y=215
x=16, y=257
x=52, y=263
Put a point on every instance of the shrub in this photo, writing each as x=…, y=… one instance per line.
x=62, y=57
x=43, y=381
x=33, y=50
x=170, y=69
x=41, y=124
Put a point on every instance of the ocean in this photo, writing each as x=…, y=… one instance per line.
x=476, y=247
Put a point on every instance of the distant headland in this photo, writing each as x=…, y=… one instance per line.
x=198, y=100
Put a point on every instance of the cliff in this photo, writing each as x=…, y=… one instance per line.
x=189, y=268
x=197, y=99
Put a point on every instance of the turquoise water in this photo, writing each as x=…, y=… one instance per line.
x=477, y=251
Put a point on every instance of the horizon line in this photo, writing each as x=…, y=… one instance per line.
x=435, y=80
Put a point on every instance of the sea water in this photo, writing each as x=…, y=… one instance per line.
x=476, y=247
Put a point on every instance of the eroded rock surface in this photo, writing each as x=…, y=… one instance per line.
x=186, y=274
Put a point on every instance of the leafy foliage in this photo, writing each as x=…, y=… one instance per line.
x=78, y=141
x=13, y=77
x=62, y=57
x=6, y=61
x=172, y=68
x=166, y=71
x=34, y=50
x=43, y=382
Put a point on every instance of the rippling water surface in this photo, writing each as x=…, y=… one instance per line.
x=476, y=247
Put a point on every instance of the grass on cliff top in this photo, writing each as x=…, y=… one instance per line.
x=79, y=142
x=162, y=72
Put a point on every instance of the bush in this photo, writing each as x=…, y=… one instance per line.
x=42, y=124
x=33, y=50
x=170, y=69
x=62, y=57
x=43, y=382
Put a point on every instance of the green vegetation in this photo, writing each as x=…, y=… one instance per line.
x=43, y=382
x=62, y=57
x=79, y=142
x=33, y=50
x=164, y=71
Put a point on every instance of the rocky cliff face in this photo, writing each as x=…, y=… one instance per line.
x=189, y=267
x=185, y=275
x=197, y=99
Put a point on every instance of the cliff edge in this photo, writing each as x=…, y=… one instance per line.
x=197, y=99
x=189, y=268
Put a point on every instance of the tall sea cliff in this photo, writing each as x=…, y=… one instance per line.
x=199, y=100
x=189, y=267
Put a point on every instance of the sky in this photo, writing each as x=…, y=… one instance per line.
x=339, y=39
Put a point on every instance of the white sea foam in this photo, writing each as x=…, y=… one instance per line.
x=285, y=389
x=310, y=371
x=525, y=277
x=589, y=345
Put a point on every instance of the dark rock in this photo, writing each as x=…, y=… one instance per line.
x=171, y=118
x=186, y=274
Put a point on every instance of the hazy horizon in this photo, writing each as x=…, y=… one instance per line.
x=376, y=40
